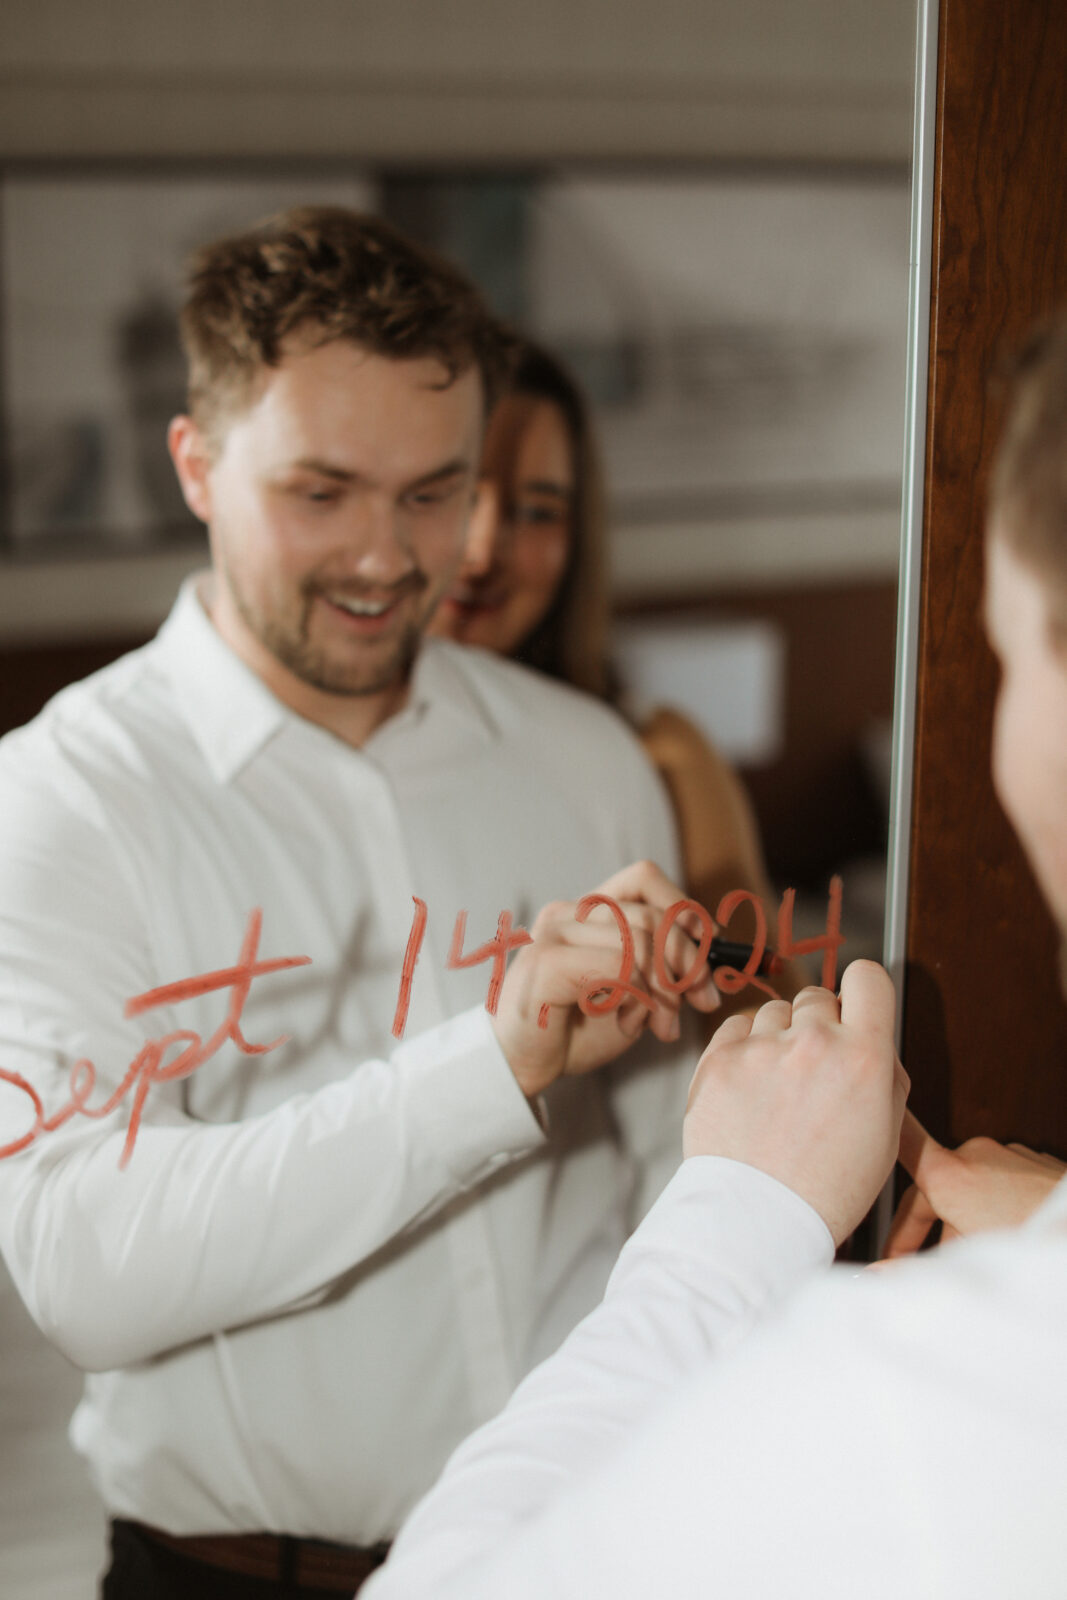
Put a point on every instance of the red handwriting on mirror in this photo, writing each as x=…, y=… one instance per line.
x=407, y=975
x=692, y=908
x=596, y=998
x=497, y=951
x=150, y=1065
x=729, y=979
x=829, y=942
x=600, y=995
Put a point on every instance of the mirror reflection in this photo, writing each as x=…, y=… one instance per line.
x=735, y=325
x=738, y=335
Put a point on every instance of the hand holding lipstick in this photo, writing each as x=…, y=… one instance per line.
x=596, y=975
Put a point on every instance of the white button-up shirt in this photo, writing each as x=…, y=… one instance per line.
x=321, y=1266
x=736, y=1421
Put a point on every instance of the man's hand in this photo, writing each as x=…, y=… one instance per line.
x=548, y=977
x=979, y=1186
x=811, y=1093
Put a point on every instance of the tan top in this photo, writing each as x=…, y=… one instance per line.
x=717, y=831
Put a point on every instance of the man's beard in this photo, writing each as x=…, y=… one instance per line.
x=292, y=646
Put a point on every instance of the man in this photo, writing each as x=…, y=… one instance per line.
x=298, y=1259
x=734, y=1420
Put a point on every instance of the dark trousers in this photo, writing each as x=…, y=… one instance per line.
x=141, y=1569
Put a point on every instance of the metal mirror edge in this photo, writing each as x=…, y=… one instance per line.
x=911, y=526
x=911, y=530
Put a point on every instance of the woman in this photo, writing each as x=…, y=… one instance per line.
x=543, y=599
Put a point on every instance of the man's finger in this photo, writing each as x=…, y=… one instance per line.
x=814, y=1005
x=731, y=1031
x=868, y=999
x=917, y=1148
x=642, y=880
x=772, y=1017
x=914, y=1218
x=1040, y=1157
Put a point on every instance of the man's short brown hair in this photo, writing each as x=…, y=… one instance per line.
x=1028, y=487
x=332, y=274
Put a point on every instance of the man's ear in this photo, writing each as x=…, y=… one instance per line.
x=192, y=462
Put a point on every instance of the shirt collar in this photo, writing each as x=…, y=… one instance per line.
x=444, y=705
x=233, y=716
x=230, y=712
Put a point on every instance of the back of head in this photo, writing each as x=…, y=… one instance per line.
x=1028, y=488
x=327, y=273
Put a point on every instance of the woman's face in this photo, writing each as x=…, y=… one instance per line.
x=528, y=476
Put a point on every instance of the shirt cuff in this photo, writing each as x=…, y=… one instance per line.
x=463, y=1097
x=716, y=1212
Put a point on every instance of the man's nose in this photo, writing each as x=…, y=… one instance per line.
x=381, y=544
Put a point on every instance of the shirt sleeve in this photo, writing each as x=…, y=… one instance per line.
x=855, y=1442
x=207, y=1226
x=664, y=1313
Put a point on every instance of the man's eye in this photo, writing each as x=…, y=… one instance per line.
x=434, y=497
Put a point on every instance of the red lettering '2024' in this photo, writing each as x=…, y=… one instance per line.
x=599, y=995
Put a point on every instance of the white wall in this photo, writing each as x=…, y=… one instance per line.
x=454, y=80
x=458, y=79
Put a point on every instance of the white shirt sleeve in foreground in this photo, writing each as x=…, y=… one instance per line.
x=895, y=1433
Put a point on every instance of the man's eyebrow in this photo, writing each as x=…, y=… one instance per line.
x=451, y=469
x=326, y=469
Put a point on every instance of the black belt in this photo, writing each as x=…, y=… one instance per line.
x=301, y=1563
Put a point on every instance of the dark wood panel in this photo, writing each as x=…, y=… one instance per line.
x=985, y=1029
x=817, y=805
x=31, y=674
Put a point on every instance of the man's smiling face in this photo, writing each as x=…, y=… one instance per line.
x=338, y=505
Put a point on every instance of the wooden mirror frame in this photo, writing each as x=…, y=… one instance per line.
x=983, y=1027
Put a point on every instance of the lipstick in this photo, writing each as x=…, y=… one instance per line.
x=733, y=953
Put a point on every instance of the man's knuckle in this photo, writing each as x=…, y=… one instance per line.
x=978, y=1148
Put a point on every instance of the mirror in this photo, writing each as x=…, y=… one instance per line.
x=708, y=213
x=739, y=332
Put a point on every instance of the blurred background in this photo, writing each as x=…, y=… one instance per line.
x=701, y=204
